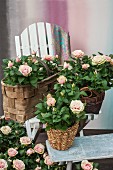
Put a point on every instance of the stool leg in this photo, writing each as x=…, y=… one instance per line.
x=69, y=165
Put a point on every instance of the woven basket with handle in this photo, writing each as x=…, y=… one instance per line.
x=93, y=100
x=62, y=140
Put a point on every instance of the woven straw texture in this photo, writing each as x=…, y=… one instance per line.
x=93, y=101
x=19, y=101
x=62, y=140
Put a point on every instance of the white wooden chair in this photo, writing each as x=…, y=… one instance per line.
x=44, y=39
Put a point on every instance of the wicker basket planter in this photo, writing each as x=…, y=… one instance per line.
x=62, y=140
x=93, y=101
x=19, y=101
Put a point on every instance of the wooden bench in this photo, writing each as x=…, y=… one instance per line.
x=84, y=148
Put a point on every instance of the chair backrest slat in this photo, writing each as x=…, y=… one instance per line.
x=42, y=39
x=25, y=42
x=50, y=39
x=18, y=48
x=33, y=38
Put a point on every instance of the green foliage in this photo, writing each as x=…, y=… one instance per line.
x=37, y=70
x=12, y=139
x=97, y=76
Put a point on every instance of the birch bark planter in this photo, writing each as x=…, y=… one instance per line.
x=19, y=101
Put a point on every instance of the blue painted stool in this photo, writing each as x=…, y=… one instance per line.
x=85, y=147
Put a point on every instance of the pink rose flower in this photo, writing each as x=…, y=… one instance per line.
x=33, y=52
x=25, y=69
x=18, y=164
x=48, y=57
x=25, y=140
x=18, y=60
x=38, y=168
x=51, y=101
x=3, y=164
x=108, y=59
x=10, y=64
x=78, y=53
x=86, y=165
x=48, y=161
x=61, y=80
x=39, y=148
x=44, y=155
x=111, y=62
x=76, y=106
x=85, y=66
x=34, y=60
x=12, y=152
x=30, y=151
x=67, y=65
x=38, y=160
x=98, y=60
x=56, y=56
x=5, y=130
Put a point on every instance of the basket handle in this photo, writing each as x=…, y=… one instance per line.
x=45, y=66
x=86, y=89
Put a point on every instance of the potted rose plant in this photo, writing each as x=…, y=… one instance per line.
x=93, y=75
x=26, y=80
x=62, y=112
x=17, y=151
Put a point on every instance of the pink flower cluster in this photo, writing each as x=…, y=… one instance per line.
x=25, y=140
x=61, y=79
x=76, y=106
x=50, y=100
x=78, y=53
x=25, y=70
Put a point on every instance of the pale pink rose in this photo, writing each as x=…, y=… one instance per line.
x=18, y=164
x=38, y=160
x=67, y=65
x=25, y=140
x=85, y=66
x=78, y=53
x=38, y=168
x=18, y=59
x=3, y=164
x=61, y=79
x=45, y=154
x=12, y=152
x=10, y=64
x=108, y=59
x=39, y=148
x=30, y=151
x=51, y=101
x=86, y=165
x=48, y=161
x=5, y=130
x=76, y=106
x=48, y=57
x=98, y=60
x=95, y=169
x=33, y=52
x=25, y=69
x=111, y=62
x=49, y=96
x=56, y=56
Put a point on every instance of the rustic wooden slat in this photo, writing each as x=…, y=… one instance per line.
x=18, y=47
x=49, y=37
x=33, y=38
x=42, y=39
x=25, y=42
